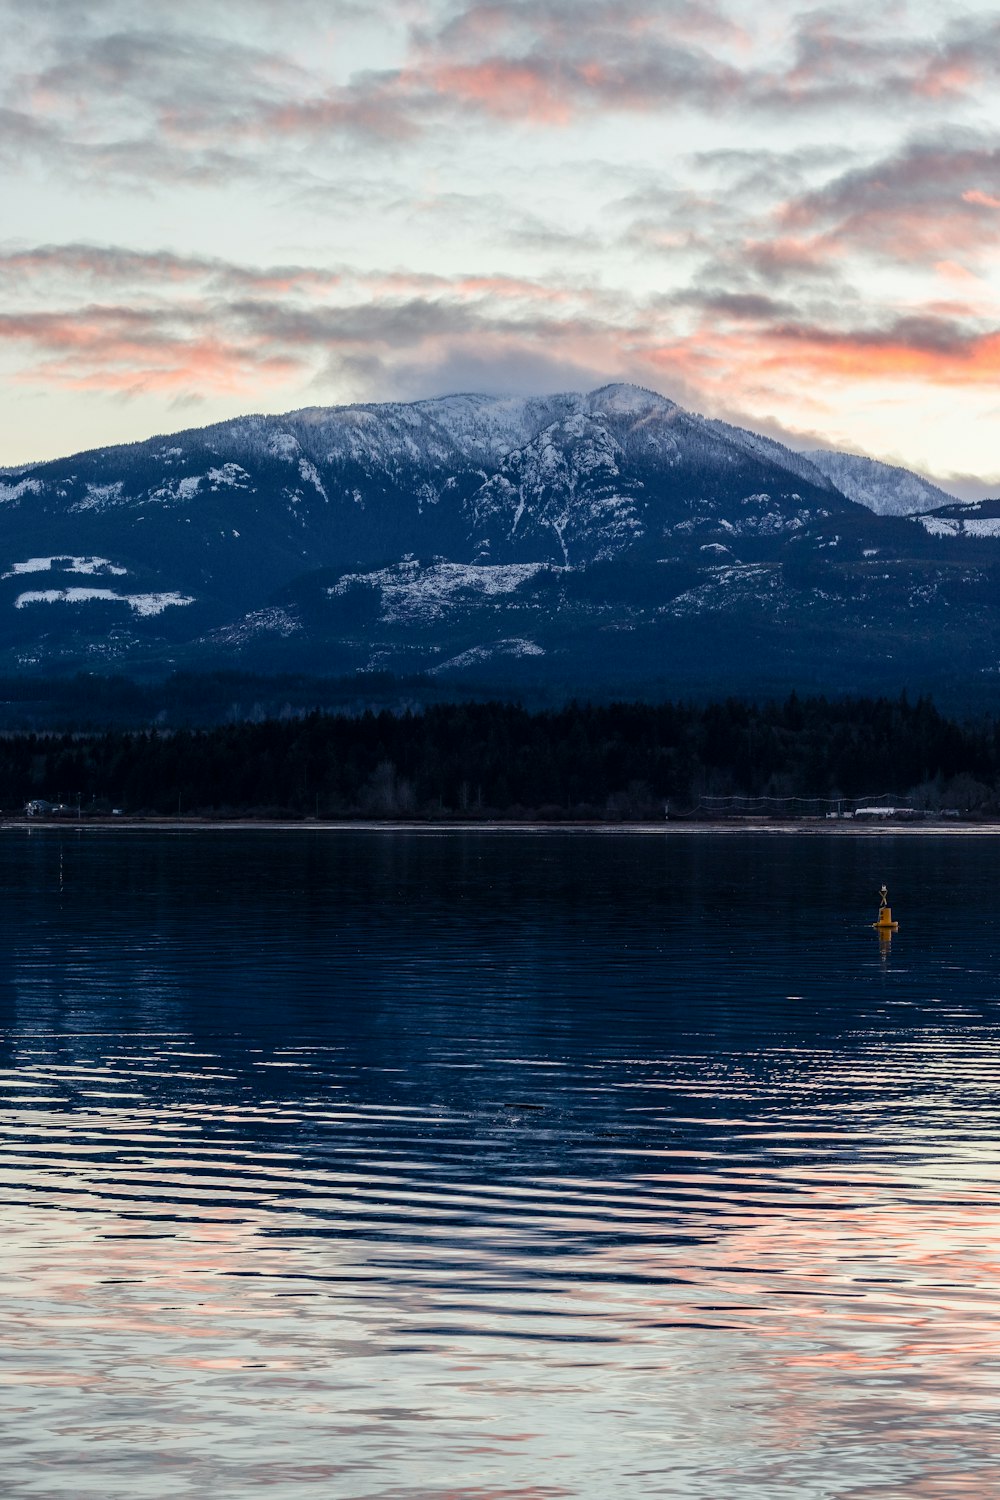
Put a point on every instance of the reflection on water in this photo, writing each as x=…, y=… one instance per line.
x=497, y=1166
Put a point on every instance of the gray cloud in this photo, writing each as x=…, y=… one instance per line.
x=186, y=99
x=856, y=55
x=118, y=265
x=965, y=486
x=932, y=199
x=21, y=135
x=771, y=173
x=506, y=366
x=739, y=307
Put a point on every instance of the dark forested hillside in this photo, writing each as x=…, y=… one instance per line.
x=626, y=760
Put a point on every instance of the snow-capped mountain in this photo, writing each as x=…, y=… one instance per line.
x=242, y=505
x=885, y=489
x=578, y=539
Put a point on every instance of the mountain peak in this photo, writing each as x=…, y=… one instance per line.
x=624, y=400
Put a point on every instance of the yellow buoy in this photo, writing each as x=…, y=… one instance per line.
x=884, y=922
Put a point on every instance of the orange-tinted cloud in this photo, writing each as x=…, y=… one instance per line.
x=886, y=356
x=125, y=350
x=784, y=353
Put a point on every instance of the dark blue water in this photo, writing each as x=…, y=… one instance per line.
x=504, y=1166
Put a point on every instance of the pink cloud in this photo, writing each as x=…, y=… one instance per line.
x=982, y=200
x=207, y=366
x=245, y=331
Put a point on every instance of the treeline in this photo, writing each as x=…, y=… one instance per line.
x=624, y=760
x=200, y=699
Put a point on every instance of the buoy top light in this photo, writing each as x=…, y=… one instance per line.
x=884, y=922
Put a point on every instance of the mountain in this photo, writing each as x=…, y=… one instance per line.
x=598, y=542
x=883, y=488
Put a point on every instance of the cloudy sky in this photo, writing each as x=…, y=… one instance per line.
x=783, y=214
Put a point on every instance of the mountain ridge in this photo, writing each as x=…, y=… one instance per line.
x=886, y=489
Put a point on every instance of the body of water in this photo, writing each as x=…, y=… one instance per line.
x=504, y=1166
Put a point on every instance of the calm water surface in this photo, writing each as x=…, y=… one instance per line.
x=500, y=1166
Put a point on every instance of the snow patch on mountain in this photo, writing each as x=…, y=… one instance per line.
x=176, y=490
x=727, y=588
x=514, y=646
x=986, y=526
x=260, y=622
x=883, y=488
x=88, y=565
x=762, y=517
x=100, y=496
x=283, y=445
x=141, y=604
x=23, y=487
x=310, y=475
x=229, y=477
x=414, y=593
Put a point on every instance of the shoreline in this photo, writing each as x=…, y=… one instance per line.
x=808, y=827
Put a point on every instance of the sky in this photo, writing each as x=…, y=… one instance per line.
x=784, y=215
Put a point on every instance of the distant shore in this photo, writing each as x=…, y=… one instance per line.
x=682, y=827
